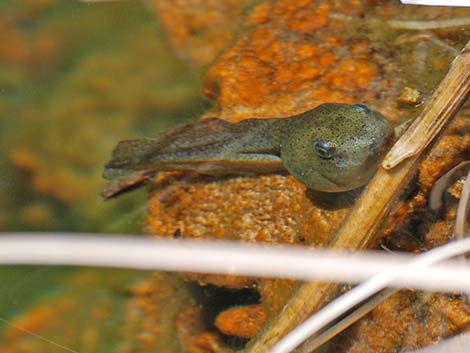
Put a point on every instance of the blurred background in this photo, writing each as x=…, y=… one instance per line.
x=75, y=78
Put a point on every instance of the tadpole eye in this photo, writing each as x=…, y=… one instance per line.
x=362, y=108
x=324, y=149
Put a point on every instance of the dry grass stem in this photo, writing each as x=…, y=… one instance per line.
x=430, y=25
x=315, y=342
x=377, y=200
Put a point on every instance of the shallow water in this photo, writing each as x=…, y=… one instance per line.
x=76, y=77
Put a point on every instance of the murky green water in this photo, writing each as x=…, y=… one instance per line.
x=75, y=78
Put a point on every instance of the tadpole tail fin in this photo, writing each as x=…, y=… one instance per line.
x=212, y=146
x=127, y=183
x=129, y=156
x=129, y=166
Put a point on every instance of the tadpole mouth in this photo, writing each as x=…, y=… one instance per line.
x=329, y=179
x=327, y=184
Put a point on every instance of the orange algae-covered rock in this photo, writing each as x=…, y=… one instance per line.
x=193, y=333
x=427, y=318
x=227, y=208
x=274, y=293
x=413, y=216
x=273, y=208
x=290, y=57
x=405, y=322
x=451, y=149
x=294, y=56
x=199, y=30
x=241, y=321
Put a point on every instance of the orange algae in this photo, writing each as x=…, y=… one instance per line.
x=194, y=335
x=38, y=319
x=151, y=306
x=286, y=58
x=25, y=160
x=241, y=321
x=408, y=321
x=199, y=30
x=13, y=48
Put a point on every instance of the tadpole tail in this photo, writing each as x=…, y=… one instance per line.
x=129, y=156
x=211, y=147
x=127, y=183
x=128, y=168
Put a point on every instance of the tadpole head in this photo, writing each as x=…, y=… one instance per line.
x=335, y=147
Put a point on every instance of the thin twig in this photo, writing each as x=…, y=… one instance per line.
x=462, y=209
x=459, y=3
x=430, y=24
